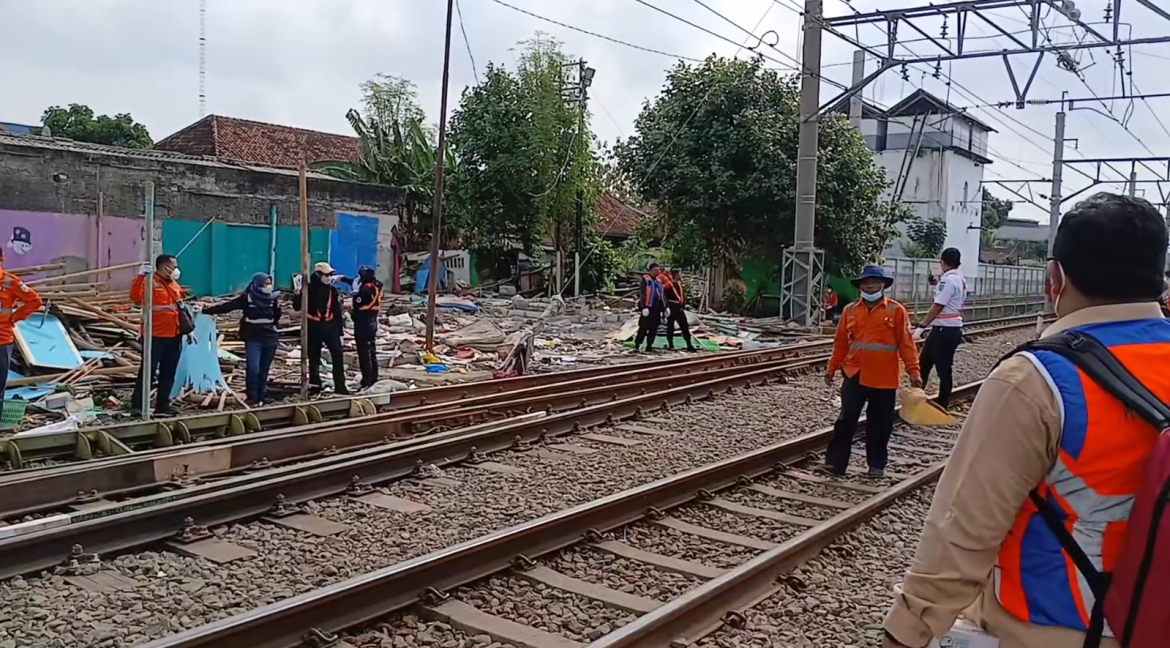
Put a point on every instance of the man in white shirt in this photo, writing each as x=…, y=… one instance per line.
x=944, y=320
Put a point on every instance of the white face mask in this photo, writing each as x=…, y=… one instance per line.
x=267, y=289
x=872, y=297
x=175, y=274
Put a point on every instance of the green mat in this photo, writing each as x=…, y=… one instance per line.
x=679, y=343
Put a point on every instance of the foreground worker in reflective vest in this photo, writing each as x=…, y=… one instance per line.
x=13, y=291
x=1039, y=423
x=367, y=304
x=166, y=341
x=874, y=332
x=261, y=313
x=324, y=325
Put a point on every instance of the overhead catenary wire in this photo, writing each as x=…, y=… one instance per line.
x=463, y=28
x=712, y=33
x=595, y=34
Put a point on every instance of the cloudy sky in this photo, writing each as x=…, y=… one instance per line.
x=300, y=62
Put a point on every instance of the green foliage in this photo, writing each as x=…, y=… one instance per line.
x=397, y=148
x=525, y=160
x=927, y=236
x=601, y=264
x=995, y=211
x=78, y=123
x=716, y=152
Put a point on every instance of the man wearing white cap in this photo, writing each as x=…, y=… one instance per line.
x=325, y=325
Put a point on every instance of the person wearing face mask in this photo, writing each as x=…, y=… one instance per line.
x=260, y=306
x=367, y=305
x=1041, y=430
x=18, y=301
x=651, y=304
x=166, y=341
x=325, y=325
x=944, y=320
x=874, y=332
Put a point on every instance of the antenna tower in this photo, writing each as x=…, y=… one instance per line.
x=202, y=58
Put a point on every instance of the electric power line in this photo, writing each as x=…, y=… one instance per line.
x=462, y=28
x=595, y=34
x=716, y=35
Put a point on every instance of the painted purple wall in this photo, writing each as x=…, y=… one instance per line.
x=37, y=238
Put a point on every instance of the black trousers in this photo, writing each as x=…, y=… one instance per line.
x=367, y=355
x=648, y=328
x=938, y=352
x=164, y=362
x=878, y=427
x=678, y=313
x=5, y=362
x=328, y=336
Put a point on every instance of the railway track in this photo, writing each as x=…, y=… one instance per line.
x=160, y=504
x=744, y=523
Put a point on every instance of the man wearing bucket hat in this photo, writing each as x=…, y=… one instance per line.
x=874, y=332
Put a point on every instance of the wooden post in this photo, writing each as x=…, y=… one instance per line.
x=304, y=283
x=437, y=211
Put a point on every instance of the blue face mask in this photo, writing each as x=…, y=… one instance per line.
x=872, y=297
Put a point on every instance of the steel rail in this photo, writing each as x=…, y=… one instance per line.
x=121, y=439
x=38, y=491
x=365, y=598
x=84, y=484
x=46, y=542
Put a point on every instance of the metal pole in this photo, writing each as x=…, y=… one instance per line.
x=855, y=102
x=806, y=164
x=148, y=303
x=437, y=210
x=304, y=187
x=1057, y=182
x=577, y=255
x=1133, y=183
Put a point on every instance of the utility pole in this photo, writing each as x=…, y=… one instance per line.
x=148, y=303
x=803, y=260
x=584, y=80
x=437, y=211
x=855, y=102
x=1057, y=181
x=1133, y=183
x=303, y=182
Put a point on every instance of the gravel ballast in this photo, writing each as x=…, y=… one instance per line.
x=177, y=592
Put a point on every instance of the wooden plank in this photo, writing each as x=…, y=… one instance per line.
x=641, y=429
x=717, y=536
x=612, y=440
x=472, y=621
x=825, y=481
x=800, y=497
x=734, y=507
x=600, y=593
x=660, y=561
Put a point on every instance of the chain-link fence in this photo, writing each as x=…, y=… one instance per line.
x=995, y=291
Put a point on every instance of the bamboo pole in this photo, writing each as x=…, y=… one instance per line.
x=83, y=273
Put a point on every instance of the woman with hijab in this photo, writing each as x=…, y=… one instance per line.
x=261, y=312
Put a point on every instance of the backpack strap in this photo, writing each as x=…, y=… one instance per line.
x=1100, y=365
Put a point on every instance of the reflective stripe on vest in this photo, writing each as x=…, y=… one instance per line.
x=1092, y=482
x=328, y=316
x=168, y=307
x=376, y=303
x=871, y=346
x=250, y=320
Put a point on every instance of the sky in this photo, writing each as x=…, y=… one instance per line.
x=300, y=63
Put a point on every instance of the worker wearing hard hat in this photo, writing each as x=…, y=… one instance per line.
x=13, y=291
x=874, y=332
x=325, y=324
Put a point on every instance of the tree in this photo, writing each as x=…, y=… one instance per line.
x=525, y=158
x=927, y=236
x=78, y=123
x=716, y=152
x=398, y=150
x=995, y=211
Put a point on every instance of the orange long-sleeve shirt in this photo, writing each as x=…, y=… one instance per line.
x=13, y=291
x=167, y=295
x=871, y=339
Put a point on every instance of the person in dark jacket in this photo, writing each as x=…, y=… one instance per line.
x=676, y=303
x=261, y=313
x=651, y=303
x=325, y=325
x=367, y=304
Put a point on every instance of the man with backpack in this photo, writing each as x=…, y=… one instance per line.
x=1055, y=483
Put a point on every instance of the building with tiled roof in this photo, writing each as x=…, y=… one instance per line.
x=259, y=143
x=617, y=219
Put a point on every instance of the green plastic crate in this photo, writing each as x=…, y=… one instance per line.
x=13, y=414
